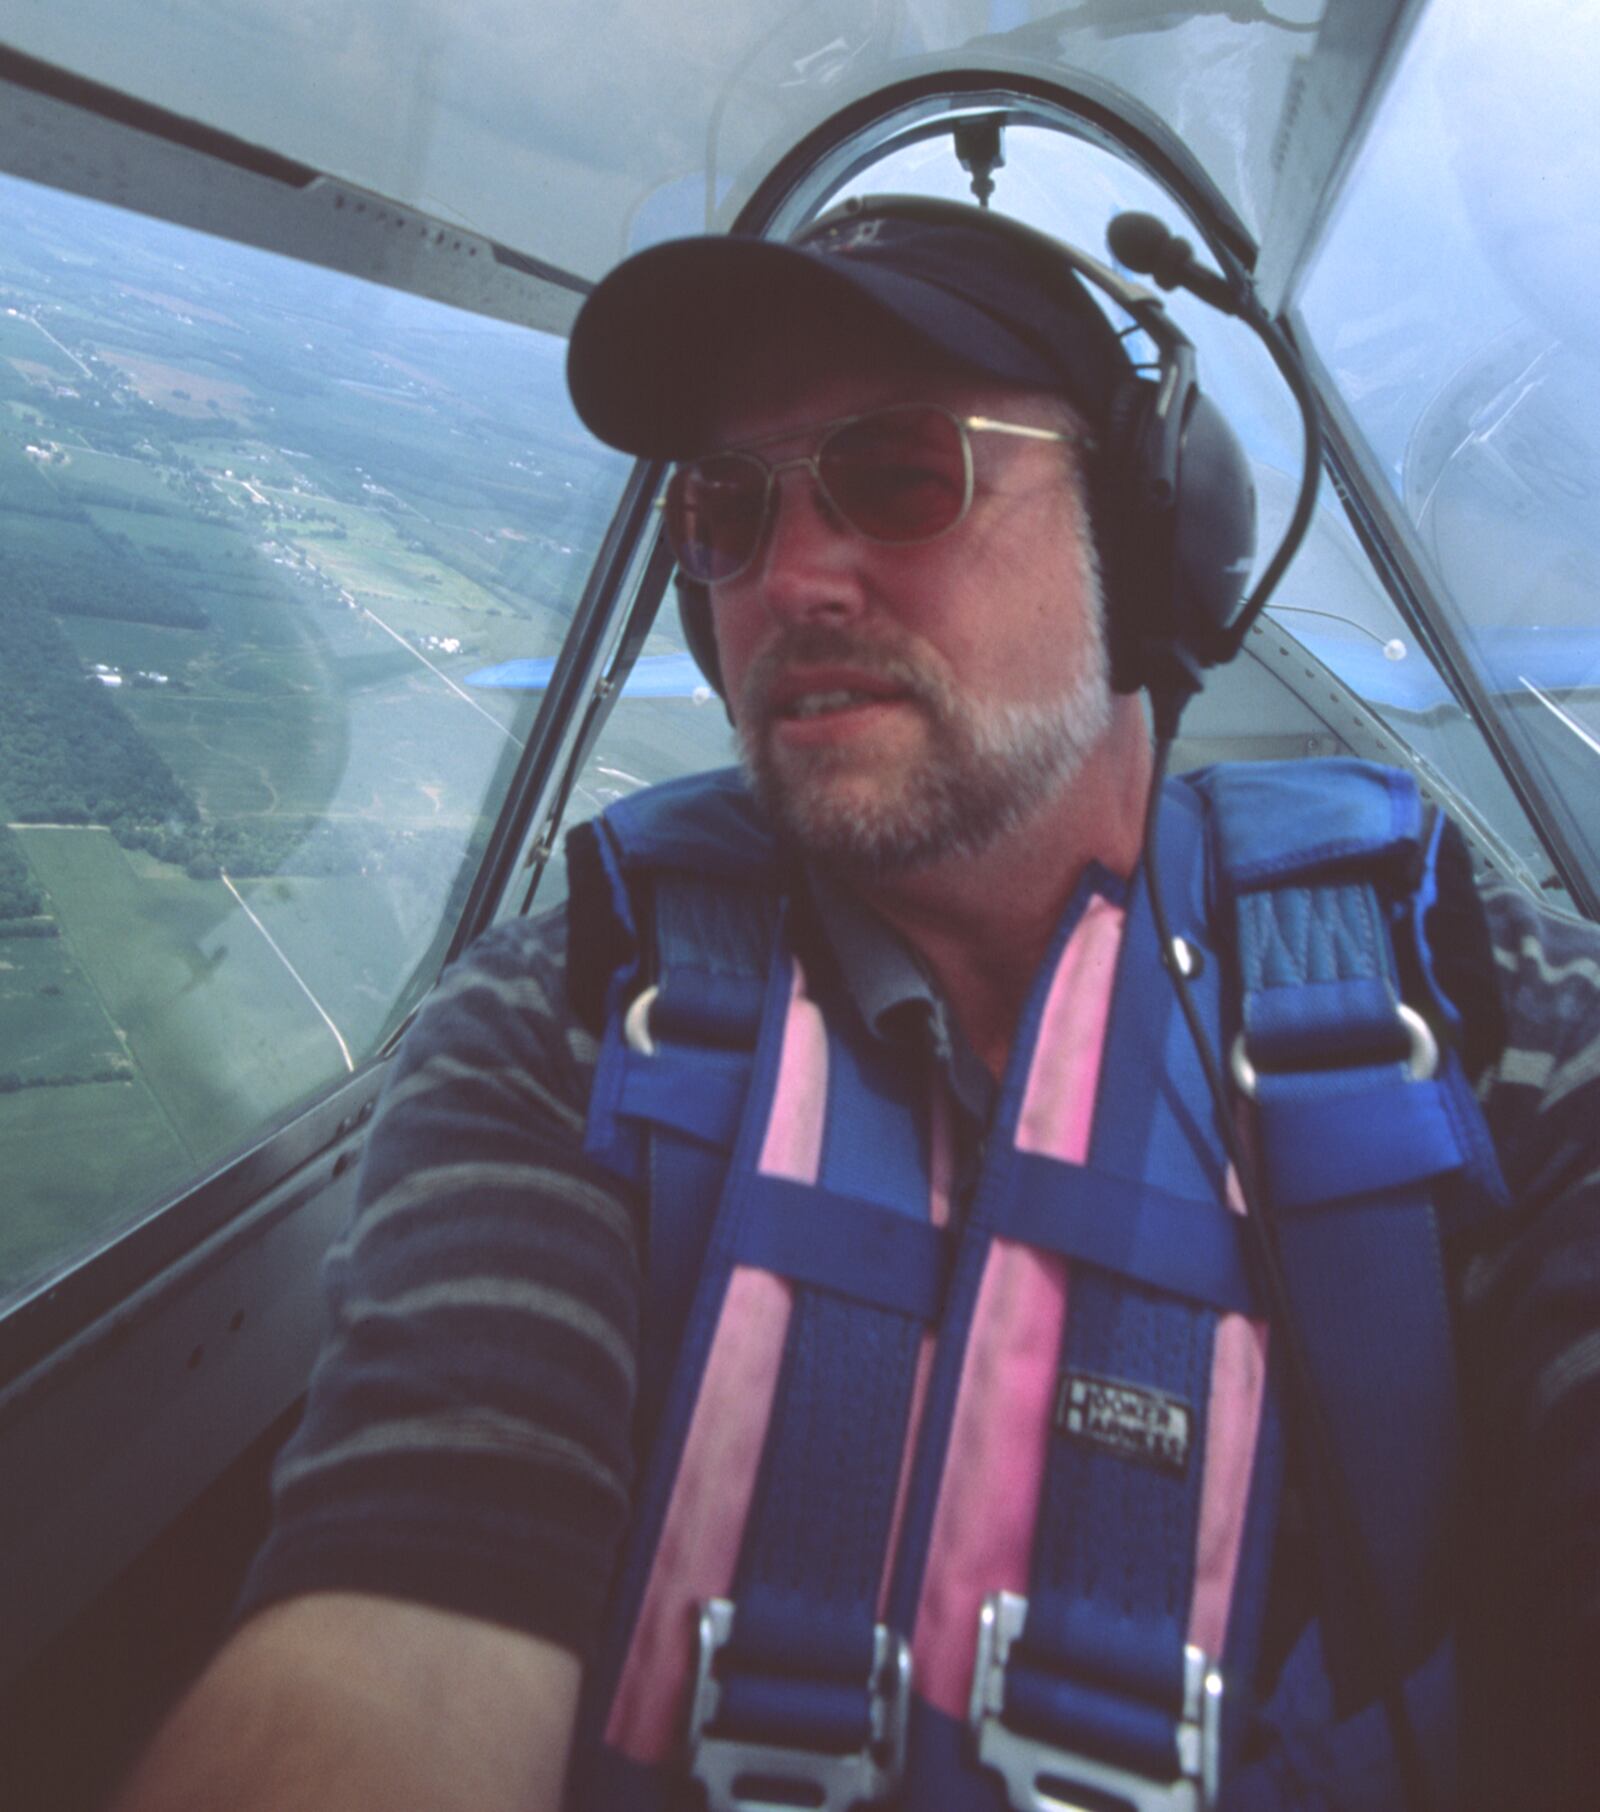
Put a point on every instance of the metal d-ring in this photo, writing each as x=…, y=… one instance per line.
x=1422, y=1060
x=636, y=1022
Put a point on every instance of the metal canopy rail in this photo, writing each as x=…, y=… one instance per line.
x=71, y=134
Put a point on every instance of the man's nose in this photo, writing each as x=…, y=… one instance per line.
x=807, y=568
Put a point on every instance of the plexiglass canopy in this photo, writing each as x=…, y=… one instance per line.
x=573, y=132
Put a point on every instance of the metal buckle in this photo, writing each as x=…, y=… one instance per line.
x=1421, y=1060
x=636, y=1022
x=742, y=1777
x=1041, y=1777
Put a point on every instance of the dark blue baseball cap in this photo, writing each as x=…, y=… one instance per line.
x=970, y=286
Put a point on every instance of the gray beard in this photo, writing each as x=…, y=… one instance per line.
x=990, y=768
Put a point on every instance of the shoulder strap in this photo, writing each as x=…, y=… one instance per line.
x=673, y=912
x=1139, y=1580
x=702, y=828
x=770, y=1498
x=1358, y=1117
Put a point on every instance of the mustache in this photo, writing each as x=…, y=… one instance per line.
x=819, y=645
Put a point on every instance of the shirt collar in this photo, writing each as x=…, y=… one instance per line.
x=891, y=988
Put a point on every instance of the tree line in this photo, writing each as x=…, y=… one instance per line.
x=69, y=754
x=12, y=1081
x=20, y=897
x=80, y=575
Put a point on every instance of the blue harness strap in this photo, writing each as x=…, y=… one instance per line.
x=796, y=1665
x=668, y=1118
x=1311, y=874
x=1355, y=1121
x=798, y=1669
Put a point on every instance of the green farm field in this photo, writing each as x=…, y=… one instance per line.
x=50, y=1021
x=248, y=755
x=161, y=533
x=134, y=647
x=134, y=477
x=410, y=590
x=79, y=1164
x=651, y=739
x=219, y=1029
x=23, y=531
x=371, y=734
x=254, y=609
x=81, y=1159
x=421, y=755
x=373, y=668
x=20, y=339
x=349, y=943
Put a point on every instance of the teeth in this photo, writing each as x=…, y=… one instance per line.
x=817, y=704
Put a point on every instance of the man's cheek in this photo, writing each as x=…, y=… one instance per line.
x=734, y=659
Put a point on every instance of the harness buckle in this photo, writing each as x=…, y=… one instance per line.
x=636, y=1022
x=743, y=1776
x=1422, y=1058
x=1043, y=1777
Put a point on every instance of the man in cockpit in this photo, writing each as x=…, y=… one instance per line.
x=569, y=1400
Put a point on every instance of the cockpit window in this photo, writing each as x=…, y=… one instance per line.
x=1453, y=304
x=267, y=535
x=515, y=120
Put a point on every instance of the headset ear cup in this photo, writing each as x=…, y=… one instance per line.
x=694, y=614
x=1214, y=535
x=1176, y=553
x=1119, y=531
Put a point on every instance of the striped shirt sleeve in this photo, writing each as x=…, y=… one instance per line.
x=466, y=1440
x=1530, y=1302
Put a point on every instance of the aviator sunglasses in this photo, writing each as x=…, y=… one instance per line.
x=899, y=476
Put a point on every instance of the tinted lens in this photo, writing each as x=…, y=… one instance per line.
x=899, y=475
x=714, y=515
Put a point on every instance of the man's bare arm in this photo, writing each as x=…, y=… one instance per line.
x=339, y=1702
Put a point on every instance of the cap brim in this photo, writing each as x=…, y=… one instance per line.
x=648, y=343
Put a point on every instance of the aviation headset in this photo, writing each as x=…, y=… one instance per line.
x=1171, y=498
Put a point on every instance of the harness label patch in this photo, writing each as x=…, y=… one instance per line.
x=1129, y=1420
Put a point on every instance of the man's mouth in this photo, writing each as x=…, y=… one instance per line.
x=819, y=689
x=823, y=704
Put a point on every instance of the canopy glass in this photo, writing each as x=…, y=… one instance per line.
x=573, y=132
x=1453, y=304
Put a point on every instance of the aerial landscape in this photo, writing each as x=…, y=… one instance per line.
x=267, y=533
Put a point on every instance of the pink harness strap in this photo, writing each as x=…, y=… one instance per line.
x=1057, y=1112
x=988, y=1508
x=710, y=1504
x=987, y=1514
x=1233, y=1427
x=1233, y=1422
x=983, y=1528
x=705, y=1519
